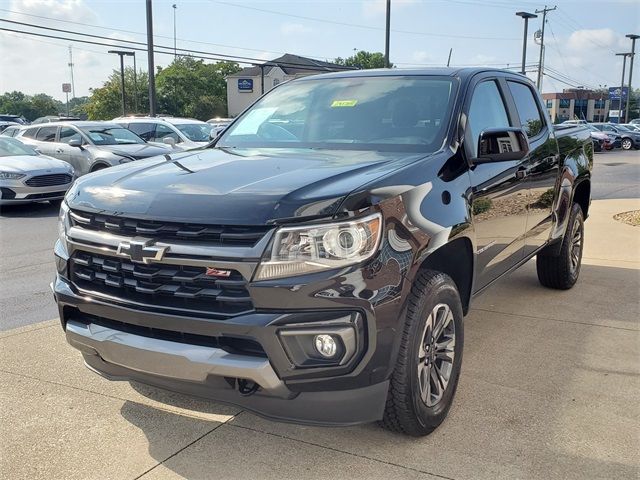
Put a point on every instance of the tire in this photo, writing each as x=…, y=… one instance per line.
x=405, y=410
x=561, y=271
x=627, y=144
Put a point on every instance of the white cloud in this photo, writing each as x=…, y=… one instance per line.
x=587, y=40
x=292, y=29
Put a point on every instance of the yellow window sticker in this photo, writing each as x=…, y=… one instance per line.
x=344, y=103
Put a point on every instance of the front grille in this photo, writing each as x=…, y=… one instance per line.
x=49, y=180
x=176, y=287
x=226, y=235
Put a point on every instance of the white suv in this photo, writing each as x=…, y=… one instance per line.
x=180, y=133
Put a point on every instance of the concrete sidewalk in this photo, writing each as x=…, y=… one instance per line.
x=549, y=389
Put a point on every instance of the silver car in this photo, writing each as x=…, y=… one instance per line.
x=27, y=176
x=89, y=146
x=179, y=133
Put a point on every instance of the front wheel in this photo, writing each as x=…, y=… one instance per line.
x=627, y=144
x=426, y=374
x=561, y=271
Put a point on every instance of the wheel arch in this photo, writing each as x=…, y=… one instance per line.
x=455, y=259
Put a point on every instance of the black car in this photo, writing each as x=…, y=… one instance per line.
x=13, y=118
x=628, y=138
x=314, y=263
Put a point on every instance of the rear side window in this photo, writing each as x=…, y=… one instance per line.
x=47, y=134
x=528, y=110
x=30, y=133
x=145, y=131
x=486, y=111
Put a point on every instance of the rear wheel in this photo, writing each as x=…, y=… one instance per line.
x=561, y=271
x=426, y=375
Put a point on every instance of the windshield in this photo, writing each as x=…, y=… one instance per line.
x=365, y=113
x=12, y=147
x=196, y=132
x=111, y=135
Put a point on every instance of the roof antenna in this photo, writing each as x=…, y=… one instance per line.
x=449, y=59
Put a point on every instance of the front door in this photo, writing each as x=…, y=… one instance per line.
x=78, y=157
x=498, y=196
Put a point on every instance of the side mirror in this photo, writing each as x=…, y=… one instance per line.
x=169, y=141
x=75, y=142
x=213, y=134
x=501, y=145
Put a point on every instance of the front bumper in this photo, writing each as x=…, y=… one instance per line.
x=16, y=191
x=215, y=373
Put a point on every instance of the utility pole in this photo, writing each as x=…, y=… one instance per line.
x=624, y=67
x=544, y=20
x=387, y=63
x=122, y=54
x=175, y=44
x=633, y=38
x=152, y=76
x=73, y=85
x=526, y=16
x=135, y=84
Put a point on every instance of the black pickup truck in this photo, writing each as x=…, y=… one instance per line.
x=314, y=263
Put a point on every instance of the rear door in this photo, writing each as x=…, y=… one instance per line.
x=498, y=195
x=542, y=164
x=45, y=139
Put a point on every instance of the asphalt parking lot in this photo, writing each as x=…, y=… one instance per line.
x=549, y=387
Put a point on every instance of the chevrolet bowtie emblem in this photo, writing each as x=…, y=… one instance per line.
x=141, y=251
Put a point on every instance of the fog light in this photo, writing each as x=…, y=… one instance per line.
x=326, y=345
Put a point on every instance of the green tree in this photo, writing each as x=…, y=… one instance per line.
x=105, y=102
x=192, y=88
x=30, y=107
x=363, y=60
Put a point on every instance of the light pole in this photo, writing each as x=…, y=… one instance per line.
x=387, y=63
x=633, y=38
x=122, y=54
x=135, y=83
x=624, y=67
x=175, y=44
x=150, y=62
x=526, y=16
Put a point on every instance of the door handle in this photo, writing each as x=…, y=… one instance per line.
x=521, y=173
x=58, y=150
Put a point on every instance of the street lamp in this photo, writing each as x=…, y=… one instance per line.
x=633, y=38
x=526, y=16
x=624, y=66
x=122, y=54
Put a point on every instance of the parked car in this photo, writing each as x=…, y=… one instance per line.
x=4, y=125
x=89, y=146
x=180, y=133
x=53, y=118
x=574, y=122
x=315, y=262
x=634, y=127
x=11, y=130
x=635, y=121
x=601, y=140
x=28, y=176
x=4, y=117
x=628, y=138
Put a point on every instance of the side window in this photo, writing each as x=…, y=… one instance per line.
x=143, y=130
x=487, y=110
x=67, y=134
x=527, y=107
x=163, y=131
x=30, y=133
x=47, y=134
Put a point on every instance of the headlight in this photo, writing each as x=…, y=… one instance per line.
x=63, y=222
x=300, y=250
x=11, y=175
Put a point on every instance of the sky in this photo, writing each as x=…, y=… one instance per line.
x=582, y=36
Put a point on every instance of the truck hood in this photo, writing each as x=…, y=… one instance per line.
x=233, y=186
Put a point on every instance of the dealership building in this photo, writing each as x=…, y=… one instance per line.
x=577, y=103
x=246, y=86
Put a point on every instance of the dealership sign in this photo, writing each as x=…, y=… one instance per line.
x=245, y=85
x=614, y=93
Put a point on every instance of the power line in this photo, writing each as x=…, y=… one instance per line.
x=354, y=25
x=210, y=55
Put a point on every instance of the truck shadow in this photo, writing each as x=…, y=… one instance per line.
x=535, y=400
x=34, y=210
